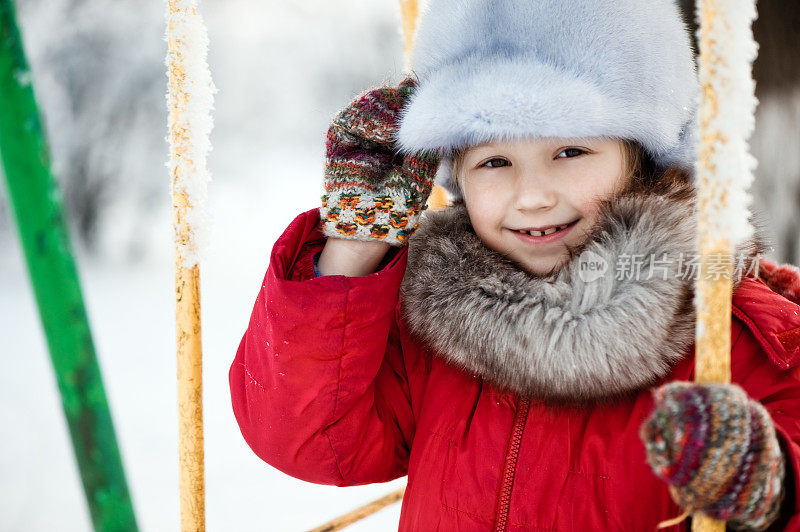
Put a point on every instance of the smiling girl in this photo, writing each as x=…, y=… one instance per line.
x=530, y=200
x=468, y=347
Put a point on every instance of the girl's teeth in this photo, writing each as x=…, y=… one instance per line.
x=546, y=231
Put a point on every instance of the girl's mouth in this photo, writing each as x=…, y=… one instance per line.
x=543, y=237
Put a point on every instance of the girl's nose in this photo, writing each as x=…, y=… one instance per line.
x=534, y=192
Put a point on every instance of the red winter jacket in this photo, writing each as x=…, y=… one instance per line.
x=330, y=386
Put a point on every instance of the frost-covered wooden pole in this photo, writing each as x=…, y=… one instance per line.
x=190, y=100
x=724, y=174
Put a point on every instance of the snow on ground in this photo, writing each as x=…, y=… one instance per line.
x=131, y=310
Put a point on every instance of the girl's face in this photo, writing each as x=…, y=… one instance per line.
x=539, y=184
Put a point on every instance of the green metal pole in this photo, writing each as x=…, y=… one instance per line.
x=39, y=215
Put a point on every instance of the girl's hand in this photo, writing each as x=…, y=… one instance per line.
x=717, y=449
x=372, y=193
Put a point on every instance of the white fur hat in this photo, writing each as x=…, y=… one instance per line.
x=505, y=69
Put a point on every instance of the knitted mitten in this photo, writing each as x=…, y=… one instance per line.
x=373, y=193
x=717, y=449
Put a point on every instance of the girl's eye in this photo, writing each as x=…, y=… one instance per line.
x=492, y=161
x=575, y=151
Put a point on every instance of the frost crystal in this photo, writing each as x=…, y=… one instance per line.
x=725, y=165
x=190, y=101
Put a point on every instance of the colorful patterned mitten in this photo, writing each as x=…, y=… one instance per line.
x=372, y=192
x=718, y=450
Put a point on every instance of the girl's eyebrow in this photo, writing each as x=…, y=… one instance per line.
x=472, y=148
x=565, y=140
x=479, y=146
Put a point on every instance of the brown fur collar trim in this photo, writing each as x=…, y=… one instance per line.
x=562, y=338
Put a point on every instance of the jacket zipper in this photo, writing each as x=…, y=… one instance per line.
x=507, y=484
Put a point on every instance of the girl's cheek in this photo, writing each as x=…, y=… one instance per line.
x=477, y=188
x=588, y=224
x=477, y=217
x=492, y=195
x=486, y=219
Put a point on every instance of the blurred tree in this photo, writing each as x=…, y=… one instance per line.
x=99, y=78
x=283, y=69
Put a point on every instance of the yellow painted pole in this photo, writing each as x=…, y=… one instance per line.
x=190, y=102
x=190, y=387
x=724, y=171
x=409, y=11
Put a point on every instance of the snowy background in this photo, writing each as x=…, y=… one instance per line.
x=283, y=69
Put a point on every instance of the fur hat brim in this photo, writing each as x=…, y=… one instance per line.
x=478, y=100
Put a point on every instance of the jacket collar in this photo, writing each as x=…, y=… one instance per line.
x=565, y=338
